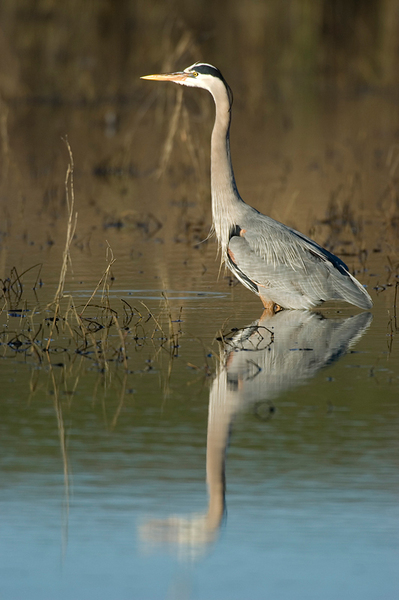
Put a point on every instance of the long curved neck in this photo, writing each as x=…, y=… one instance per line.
x=225, y=197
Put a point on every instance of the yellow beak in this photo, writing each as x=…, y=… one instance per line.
x=176, y=77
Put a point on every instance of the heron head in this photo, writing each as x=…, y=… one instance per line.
x=200, y=75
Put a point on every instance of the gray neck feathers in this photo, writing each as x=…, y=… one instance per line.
x=226, y=200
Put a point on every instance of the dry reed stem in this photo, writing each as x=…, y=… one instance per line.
x=167, y=149
x=103, y=278
x=156, y=321
x=71, y=308
x=53, y=322
x=71, y=228
x=109, y=256
x=72, y=222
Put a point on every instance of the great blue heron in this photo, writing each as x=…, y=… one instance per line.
x=284, y=267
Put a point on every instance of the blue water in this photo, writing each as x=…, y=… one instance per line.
x=103, y=490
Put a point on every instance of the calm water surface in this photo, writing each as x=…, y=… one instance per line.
x=105, y=474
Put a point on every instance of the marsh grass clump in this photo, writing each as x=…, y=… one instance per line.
x=104, y=331
x=11, y=288
x=66, y=341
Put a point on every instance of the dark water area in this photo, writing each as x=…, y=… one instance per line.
x=160, y=437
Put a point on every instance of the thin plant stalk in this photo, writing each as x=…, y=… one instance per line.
x=72, y=222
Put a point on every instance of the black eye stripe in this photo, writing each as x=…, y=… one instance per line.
x=205, y=69
x=208, y=70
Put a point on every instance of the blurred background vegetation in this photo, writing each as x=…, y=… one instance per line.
x=94, y=50
x=315, y=130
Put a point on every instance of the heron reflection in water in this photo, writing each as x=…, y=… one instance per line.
x=284, y=267
x=257, y=365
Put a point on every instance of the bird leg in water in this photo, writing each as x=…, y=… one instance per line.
x=271, y=308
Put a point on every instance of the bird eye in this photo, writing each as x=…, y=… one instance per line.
x=195, y=74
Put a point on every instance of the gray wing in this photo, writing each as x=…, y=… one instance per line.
x=290, y=269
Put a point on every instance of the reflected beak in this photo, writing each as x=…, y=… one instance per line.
x=176, y=77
